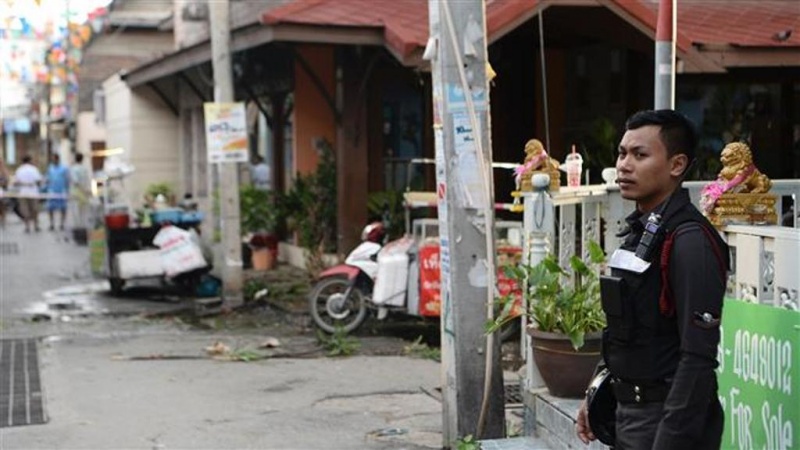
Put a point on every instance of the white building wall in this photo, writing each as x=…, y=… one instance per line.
x=88, y=131
x=147, y=130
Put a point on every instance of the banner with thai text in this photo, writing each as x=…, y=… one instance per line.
x=226, y=132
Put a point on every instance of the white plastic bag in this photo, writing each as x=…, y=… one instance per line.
x=179, y=252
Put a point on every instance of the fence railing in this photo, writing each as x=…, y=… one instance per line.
x=765, y=259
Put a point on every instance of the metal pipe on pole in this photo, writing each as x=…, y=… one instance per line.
x=666, y=34
x=472, y=384
x=228, y=186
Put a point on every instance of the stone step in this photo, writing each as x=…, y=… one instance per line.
x=516, y=443
x=554, y=420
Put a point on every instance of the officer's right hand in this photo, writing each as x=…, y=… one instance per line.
x=582, y=426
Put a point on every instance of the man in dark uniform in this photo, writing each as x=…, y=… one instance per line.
x=663, y=299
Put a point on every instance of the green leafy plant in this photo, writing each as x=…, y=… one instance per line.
x=313, y=209
x=259, y=209
x=338, y=343
x=468, y=442
x=388, y=205
x=419, y=349
x=572, y=309
x=601, y=146
x=153, y=190
x=253, y=287
x=245, y=355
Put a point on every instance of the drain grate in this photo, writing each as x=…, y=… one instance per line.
x=513, y=394
x=9, y=248
x=21, y=399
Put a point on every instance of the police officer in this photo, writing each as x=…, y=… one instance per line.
x=663, y=298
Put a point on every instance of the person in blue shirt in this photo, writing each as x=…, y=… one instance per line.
x=58, y=187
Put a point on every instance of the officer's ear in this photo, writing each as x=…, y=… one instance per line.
x=678, y=165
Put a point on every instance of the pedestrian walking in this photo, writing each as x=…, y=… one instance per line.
x=260, y=173
x=80, y=191
x=4, y=181
x=27, y=179
x=663, y=299
x=58, y=188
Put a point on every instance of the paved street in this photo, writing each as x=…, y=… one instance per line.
x=124, y=373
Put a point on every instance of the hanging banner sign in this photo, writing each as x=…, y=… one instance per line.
x=759, y=376
x=226, y=132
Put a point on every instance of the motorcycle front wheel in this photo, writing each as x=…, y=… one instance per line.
x=331, y=310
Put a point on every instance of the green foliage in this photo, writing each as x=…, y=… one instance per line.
x=601, y=146
x=419, y=349
x=312, y=204
x=251, y=287
x=391, y=204
x=468, y=442
x=259, y=210
x=573, y=310
x=154, y=189
x=338, y=343
x=245, y=355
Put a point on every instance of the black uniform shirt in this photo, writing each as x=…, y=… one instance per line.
x=697, y=277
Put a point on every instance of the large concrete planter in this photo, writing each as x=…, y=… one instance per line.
x=566, y=372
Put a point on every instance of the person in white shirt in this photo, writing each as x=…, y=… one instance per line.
x=27, y=178
x=260, y=174
x=80, y=192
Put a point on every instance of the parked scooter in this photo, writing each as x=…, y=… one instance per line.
x=401, y=276
x=340, y=296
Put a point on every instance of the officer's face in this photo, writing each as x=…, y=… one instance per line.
x=645, y=173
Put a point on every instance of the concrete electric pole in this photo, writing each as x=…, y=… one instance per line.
x=458, y=54
x=228, y=171
x=666, y=31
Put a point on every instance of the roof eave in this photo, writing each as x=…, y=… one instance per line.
x=736, y=56
x=250, y=37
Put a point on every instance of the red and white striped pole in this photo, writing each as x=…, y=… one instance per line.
x=665, y=55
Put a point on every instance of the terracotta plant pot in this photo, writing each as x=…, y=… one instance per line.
x=566, y=372
x=263, y=259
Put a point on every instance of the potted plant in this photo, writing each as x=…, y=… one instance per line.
x=565, y=318
x=259, y=212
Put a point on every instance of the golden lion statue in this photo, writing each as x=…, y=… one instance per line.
x=739, y=194
x=737, y=164
x=537, y=160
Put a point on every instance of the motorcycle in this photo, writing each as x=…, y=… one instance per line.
x=339, y=298
x=401, y=276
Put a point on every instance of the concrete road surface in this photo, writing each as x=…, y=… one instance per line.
x=114, y=380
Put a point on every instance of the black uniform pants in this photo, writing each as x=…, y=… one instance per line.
x=637, y=425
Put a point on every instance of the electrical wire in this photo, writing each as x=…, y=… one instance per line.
x=544, y=82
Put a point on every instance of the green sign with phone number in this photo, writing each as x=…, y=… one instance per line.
x=759, y=379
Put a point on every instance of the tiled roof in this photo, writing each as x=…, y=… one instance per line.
x=749, y=23
x=405, y=22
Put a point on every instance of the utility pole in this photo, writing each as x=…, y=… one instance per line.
x=665, y=55
x=458, y=54
x=228, y=171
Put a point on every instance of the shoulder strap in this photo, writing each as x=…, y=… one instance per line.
x=666, y=301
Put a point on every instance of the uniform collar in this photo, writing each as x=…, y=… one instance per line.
x=680, y=198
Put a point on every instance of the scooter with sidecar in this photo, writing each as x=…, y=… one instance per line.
x=402, y=276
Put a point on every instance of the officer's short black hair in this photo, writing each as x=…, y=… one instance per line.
x=678, y=133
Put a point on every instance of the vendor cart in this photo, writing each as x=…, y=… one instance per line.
x=124, y=249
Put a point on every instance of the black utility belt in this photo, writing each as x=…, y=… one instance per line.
x=627, y=392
